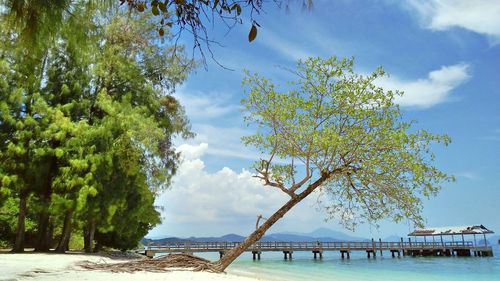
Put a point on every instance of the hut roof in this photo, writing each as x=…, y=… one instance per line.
x=451, y=230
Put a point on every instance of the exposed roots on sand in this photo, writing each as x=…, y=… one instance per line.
x=161, y=264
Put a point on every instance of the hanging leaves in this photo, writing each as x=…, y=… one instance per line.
x=140, y=7
x=163, y=7
x=252, y=34
x=236, y=7
x=155, y=10
x=216, y=2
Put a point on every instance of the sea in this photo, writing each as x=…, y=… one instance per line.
x=273, y=267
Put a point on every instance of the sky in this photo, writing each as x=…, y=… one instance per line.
x=445, y=56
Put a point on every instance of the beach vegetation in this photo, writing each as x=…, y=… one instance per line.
x=87, y=120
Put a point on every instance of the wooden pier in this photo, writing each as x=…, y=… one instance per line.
x=462, y=248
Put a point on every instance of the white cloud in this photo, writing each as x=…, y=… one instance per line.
x=201, y=203
x=221, y=195
x=426, y=92
x=191, y=152
x=480, y=16
x=468, y=175
x=224, y=141
x=201, y=105
x=286, y=48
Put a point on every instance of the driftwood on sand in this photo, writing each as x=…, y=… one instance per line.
x=161, y=264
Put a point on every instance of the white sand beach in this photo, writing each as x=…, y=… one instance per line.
x=59, y=267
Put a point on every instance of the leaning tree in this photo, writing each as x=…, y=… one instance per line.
x=334, y=132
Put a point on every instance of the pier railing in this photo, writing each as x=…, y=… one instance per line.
x=303, y=246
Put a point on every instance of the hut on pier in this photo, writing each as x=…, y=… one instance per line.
x=453, y=231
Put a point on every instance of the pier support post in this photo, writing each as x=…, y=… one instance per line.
x=256, y=254
x=463, y=252
x=288, y=255
x=370, y=252
x=380, y=246
x=221, y=253
x=486, y=253
x=316, y=253
x=345, y=253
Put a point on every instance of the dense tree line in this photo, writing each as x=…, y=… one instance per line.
x=87, y=120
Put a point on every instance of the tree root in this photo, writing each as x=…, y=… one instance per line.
x=161, y=264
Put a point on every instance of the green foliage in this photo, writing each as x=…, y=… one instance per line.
x=142, y=216
x=338, y=127
x=39, y=20
x=76, y=241
x=86, y=129
x=8, y=222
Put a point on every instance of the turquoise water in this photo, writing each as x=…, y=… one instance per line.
x=332, y=267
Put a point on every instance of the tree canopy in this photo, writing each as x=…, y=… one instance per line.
x=334, y=132
x=37, y=20
x=86, y=129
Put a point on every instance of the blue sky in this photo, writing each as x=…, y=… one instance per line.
x=444, y=54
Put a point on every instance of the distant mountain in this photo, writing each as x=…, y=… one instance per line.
x=284, y=237
x=232, y=238
x=394, y=238
x=324, y=234
x=225, y=238
x=320, y=234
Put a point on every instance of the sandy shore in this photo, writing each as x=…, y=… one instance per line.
x=59, y=267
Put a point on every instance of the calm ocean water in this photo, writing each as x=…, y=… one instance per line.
x=332, y=267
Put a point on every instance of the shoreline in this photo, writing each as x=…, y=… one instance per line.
x=59, y=267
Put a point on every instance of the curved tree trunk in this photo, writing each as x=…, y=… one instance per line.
x=66, y=233
x=231, y=255
x=21, y=224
